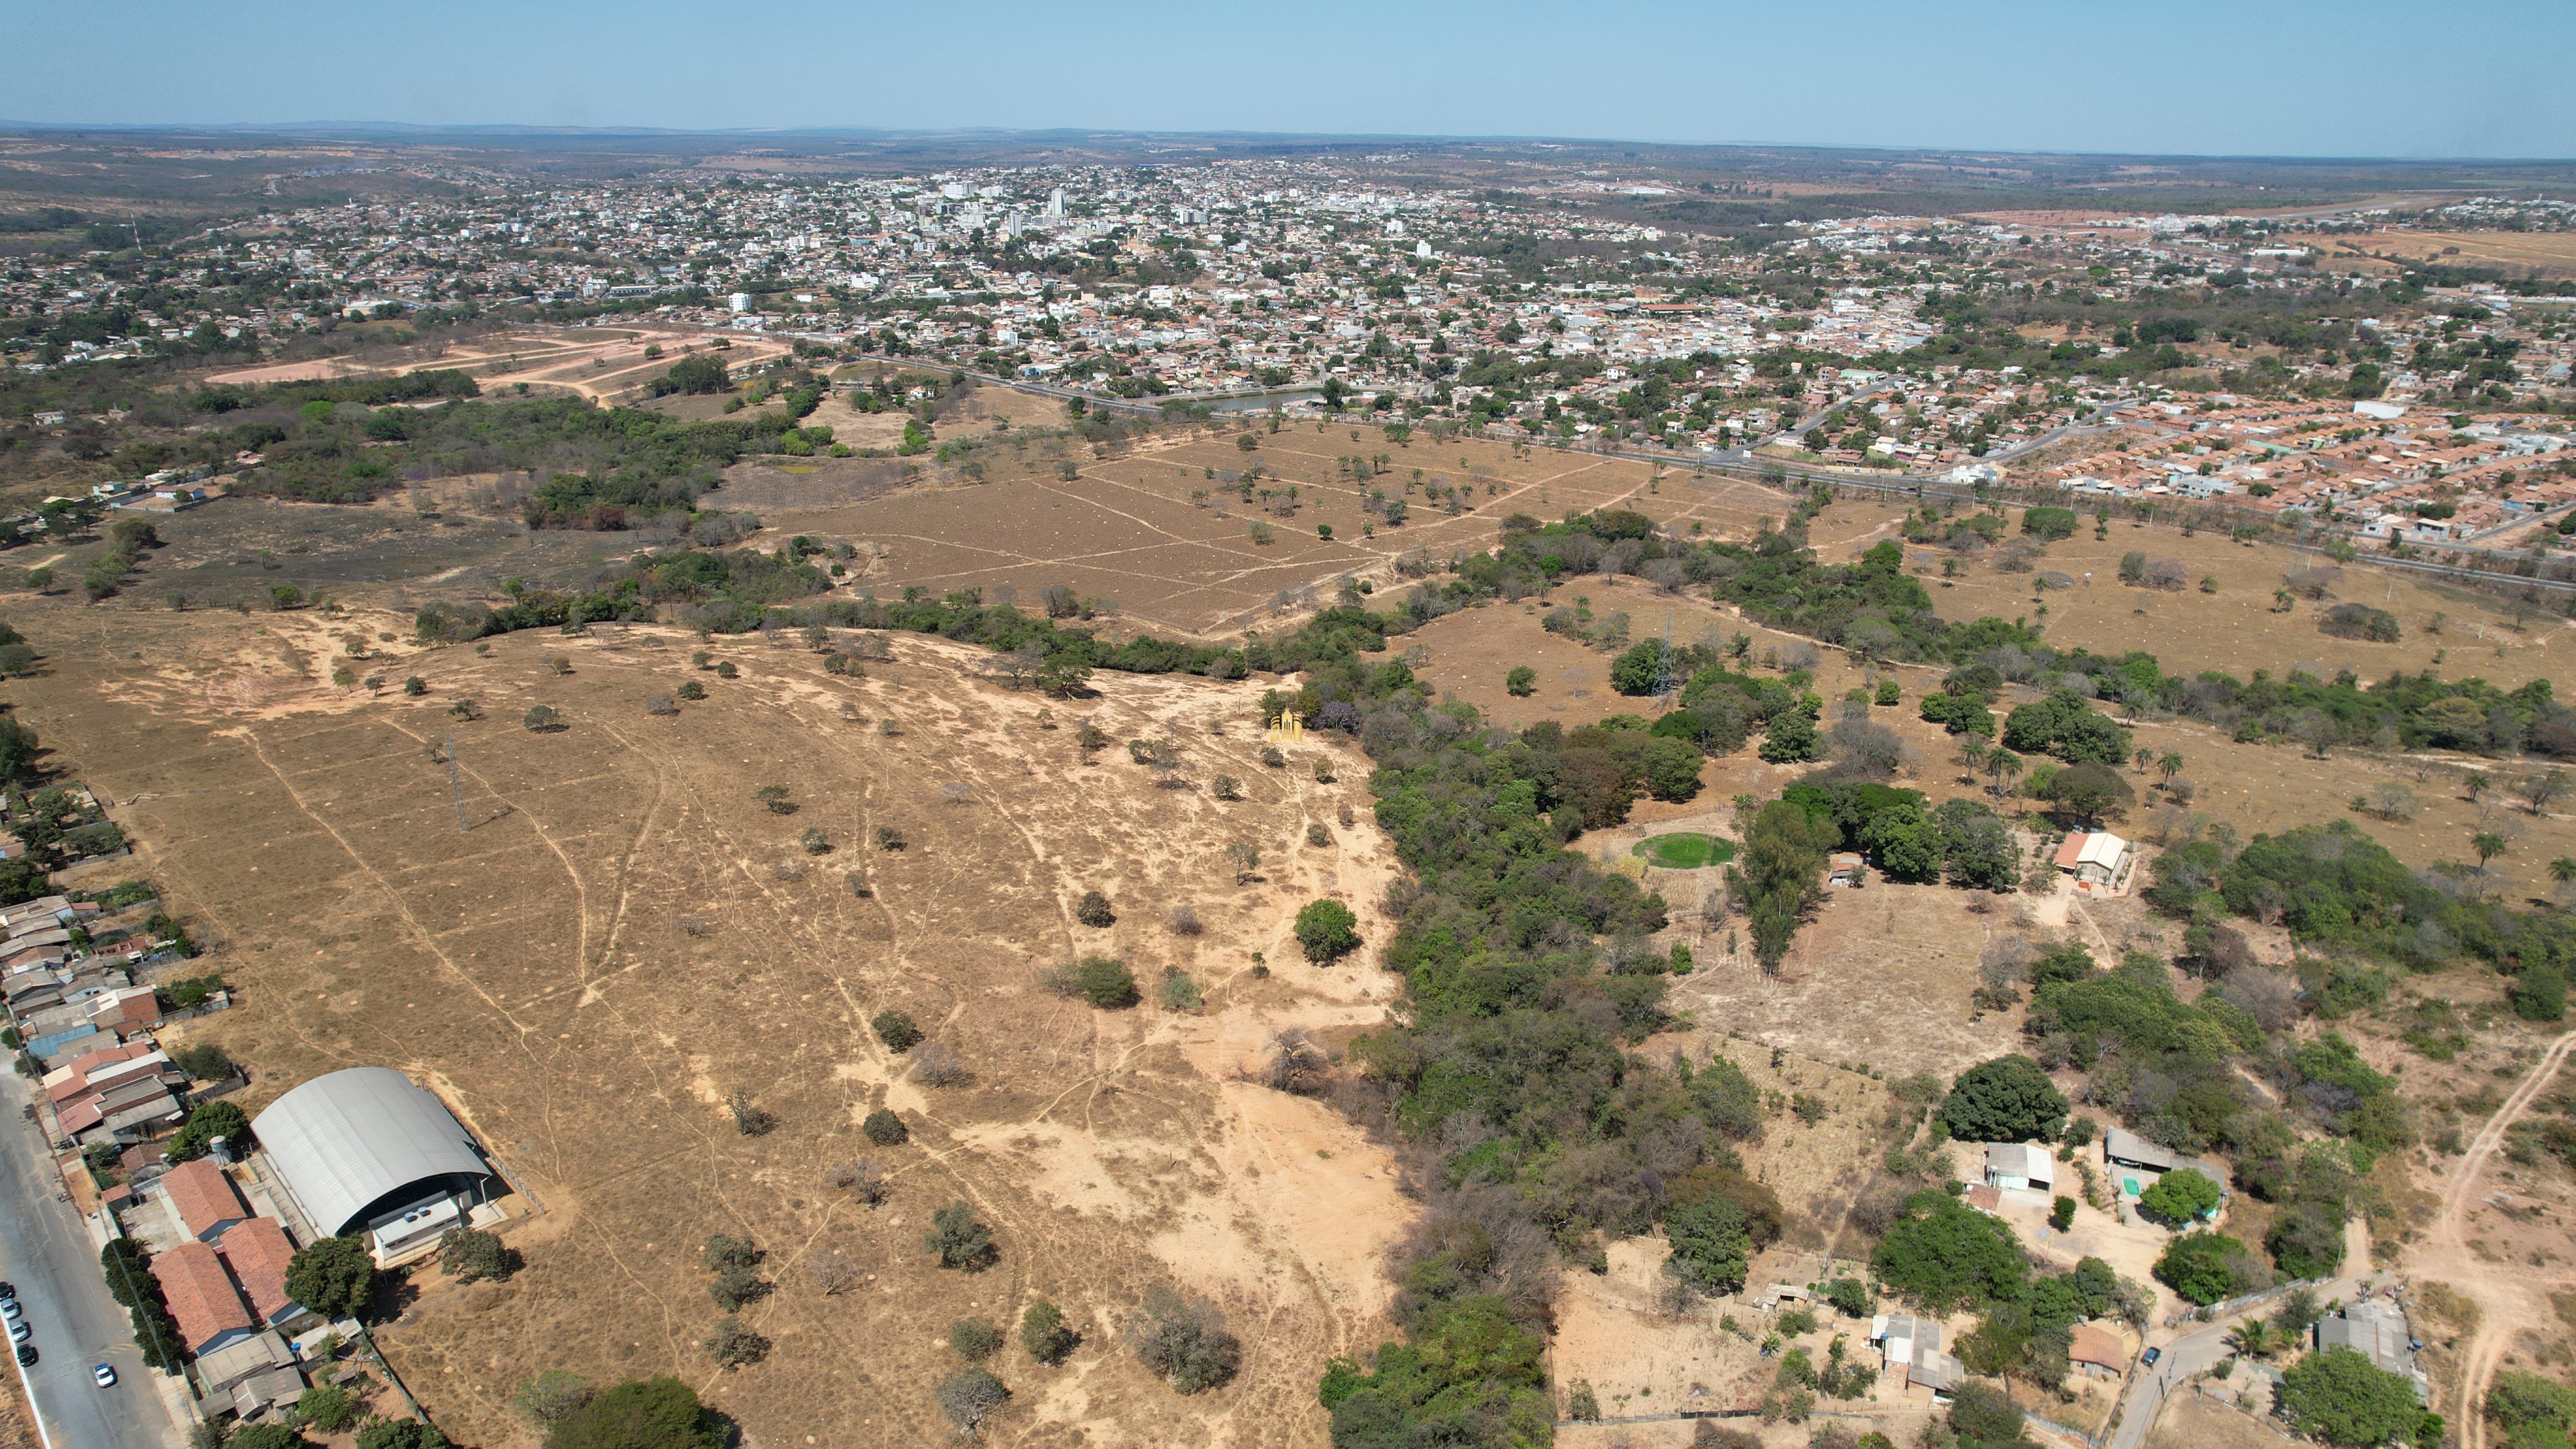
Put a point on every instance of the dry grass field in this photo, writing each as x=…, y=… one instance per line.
x=2547, y=254
x=1128, y=528
x=623, y=938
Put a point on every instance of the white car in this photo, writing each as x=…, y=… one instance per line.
x=9, y=1309
x=19, y=1331
x=105, y=1376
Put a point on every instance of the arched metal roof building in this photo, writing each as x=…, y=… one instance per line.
x=358, y=1144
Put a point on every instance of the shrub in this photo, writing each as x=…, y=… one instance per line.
x=1044, y=1334
x=415, y=686
x=2061, y=1214
x=1178, y=992
x=1317, y=835
x=470, y=1255
x=885, y=1129
x=896, y=1030
x=1183, y=921
x=2359, y=621
x=557, y=1394
x=1184, y=1340
x=957, y=1240
x=660, y=704
x=1093, y=910
x=1226, y=787
x=1326, y=930
x=327, y=1409
x=733, y=1346
x=692, y=689
x=1848, y=1297
x=1104, y=983
x=540, y=719
x=975, y=1339
x=1522, y=682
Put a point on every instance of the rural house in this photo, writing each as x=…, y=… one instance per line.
x=2021, y=1166
x=2098, y=860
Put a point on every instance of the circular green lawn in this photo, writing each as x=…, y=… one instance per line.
x=1684, y=850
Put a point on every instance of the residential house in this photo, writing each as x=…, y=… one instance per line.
x=202, y=1200
x=2097, y=1352
x=1844, y=868
x=201, y=1297
x=2022, y=1166
x=241, y=1358
x=1902, y=1338
x=127, y=1113
x=2133, y=1163
x=2098, y=860
x=258, y=1252
x=2378, y=1332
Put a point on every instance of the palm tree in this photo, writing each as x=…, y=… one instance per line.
x=2170, y=765
x=1973, y=751
x=2252, y=1339
x=2488, y=846
x=2563, y=869
x=2145, y=758
x=2003, y=765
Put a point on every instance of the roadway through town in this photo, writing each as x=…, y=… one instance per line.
x=45, y=1250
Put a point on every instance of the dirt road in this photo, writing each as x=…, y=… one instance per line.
x=2512, y=1294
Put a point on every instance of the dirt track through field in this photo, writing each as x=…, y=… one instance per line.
x=2503, y=1290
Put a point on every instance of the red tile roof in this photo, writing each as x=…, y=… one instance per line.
x=203, y=1195
x=201, y=1298
x=257, y=1251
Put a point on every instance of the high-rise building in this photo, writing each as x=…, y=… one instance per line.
x=1055, y=202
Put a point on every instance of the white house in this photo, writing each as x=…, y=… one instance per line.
x=2024, y=1166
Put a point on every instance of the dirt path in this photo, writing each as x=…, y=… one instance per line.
x=2503, y=1289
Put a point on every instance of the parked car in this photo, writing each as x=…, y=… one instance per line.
x=26, y=1355
x=104, y=1375
x=19, y=1332
x=2152, y=1355
x=9, y=1308
x=8, y=1290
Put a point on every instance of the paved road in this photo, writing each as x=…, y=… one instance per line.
x=2194, y=1352
x=45, y=1249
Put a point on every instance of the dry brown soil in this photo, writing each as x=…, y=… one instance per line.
x=622, y=937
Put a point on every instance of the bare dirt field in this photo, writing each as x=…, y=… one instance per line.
x=605, y=364
x=2519, y=253
x=623, y=938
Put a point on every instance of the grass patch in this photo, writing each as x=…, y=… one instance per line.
x=1684, y=850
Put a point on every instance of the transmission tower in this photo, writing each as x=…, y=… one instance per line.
x=456, y=784
x=1664, y=665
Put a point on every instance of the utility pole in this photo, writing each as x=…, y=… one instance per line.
x=456, y=784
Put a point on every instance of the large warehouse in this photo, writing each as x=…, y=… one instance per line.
x=366, y=1150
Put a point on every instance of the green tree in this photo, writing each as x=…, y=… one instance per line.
x=1789, y=738
x=1712, y=1244
x=885, y=1129
x=897, y=1030
x=2535, y=1413
x=1327, y=931
x=207, y=1122
x=2343, y=1398
x=332, y=1276
x=957, y=1240
x=1521, y=682
x=658, y=1413
x=2179, y=1197
x=1781, y=876
x=2008, y=1099
x=1942, y=1253
x=2085, y=794
x=1044, y=1333
x=2206, y=1267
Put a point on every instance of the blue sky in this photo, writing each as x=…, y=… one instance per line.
x=2467, y=78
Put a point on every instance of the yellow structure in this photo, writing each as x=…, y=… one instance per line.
x=1288, y=729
